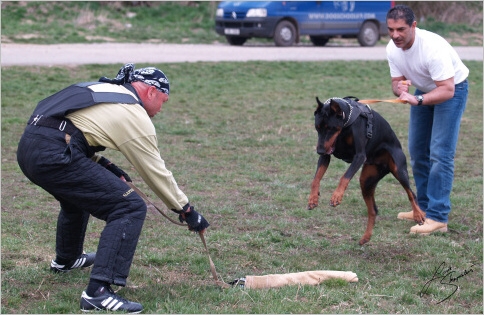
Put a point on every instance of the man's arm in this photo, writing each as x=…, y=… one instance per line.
x=143, y=154
x=399, y=85
x=443, y=92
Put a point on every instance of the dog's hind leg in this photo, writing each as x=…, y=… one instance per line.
x=370, y=176
x=323, y=163
x=398, y=167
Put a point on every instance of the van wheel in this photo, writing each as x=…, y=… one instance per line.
x=285, y=34
x=369, y=34
x=236, y=40
x=319, y=40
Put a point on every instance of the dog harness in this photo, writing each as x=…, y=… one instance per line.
x=356, y=109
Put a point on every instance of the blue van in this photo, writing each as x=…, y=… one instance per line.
x=287, y=21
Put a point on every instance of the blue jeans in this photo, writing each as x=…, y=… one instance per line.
x=432, y=141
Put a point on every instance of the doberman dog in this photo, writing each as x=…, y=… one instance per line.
x=356, y=134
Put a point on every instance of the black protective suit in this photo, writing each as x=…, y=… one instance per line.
x=55, y=155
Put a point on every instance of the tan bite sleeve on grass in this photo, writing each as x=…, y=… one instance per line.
x=307, y=277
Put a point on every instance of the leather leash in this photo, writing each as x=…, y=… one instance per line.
x=212, y=265
x=148, y=201
x=405, y=82
x=386, y=101
x=221, y=284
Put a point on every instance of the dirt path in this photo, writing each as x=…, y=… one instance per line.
x=107, y=53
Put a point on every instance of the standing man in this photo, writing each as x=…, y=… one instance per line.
x=58, y=152
x=428, y=62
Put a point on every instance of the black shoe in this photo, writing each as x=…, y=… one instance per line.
x=105, y=299
x=85, y=260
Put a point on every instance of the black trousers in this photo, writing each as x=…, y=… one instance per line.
x=84, y=188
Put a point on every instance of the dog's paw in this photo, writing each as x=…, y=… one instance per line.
x=419, y=217
x=313, y=201
x=311, y=206
x=419, y=221
x=336, y=198
x=335, y=201
x=363, y=240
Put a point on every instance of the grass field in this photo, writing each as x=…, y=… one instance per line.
x=240, y=140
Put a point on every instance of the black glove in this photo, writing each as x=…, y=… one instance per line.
x=196, y=222
x=114, y=169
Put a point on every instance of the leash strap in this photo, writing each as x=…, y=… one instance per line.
x=221, y=284
x=386, y=101
x=202, y=237
x=148, y=201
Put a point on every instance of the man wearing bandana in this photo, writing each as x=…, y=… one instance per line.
x=59, y=152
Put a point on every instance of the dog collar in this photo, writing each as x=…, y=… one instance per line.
x=351, y=117
x=355, y=111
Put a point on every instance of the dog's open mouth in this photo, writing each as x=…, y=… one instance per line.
x=326, y=146
x=326, y=150
x=330, y=147
x=329, y=144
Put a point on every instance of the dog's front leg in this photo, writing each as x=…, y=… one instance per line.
x=323, y=163
x=357, y=162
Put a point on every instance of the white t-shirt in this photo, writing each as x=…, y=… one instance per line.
x=431, y=58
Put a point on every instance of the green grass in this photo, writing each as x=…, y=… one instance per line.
x=54, y=22
x=49, y=22
x=240, y=140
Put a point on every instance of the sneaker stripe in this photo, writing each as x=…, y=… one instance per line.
x=115, y=308
x=56, y=265
x=85, y=260
x=111, y=304
x=79, y=262
x=106, y=301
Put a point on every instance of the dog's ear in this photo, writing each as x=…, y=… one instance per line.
x=336, y=108
x=320, y=106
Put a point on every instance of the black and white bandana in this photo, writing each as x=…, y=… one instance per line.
x=148, y=75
